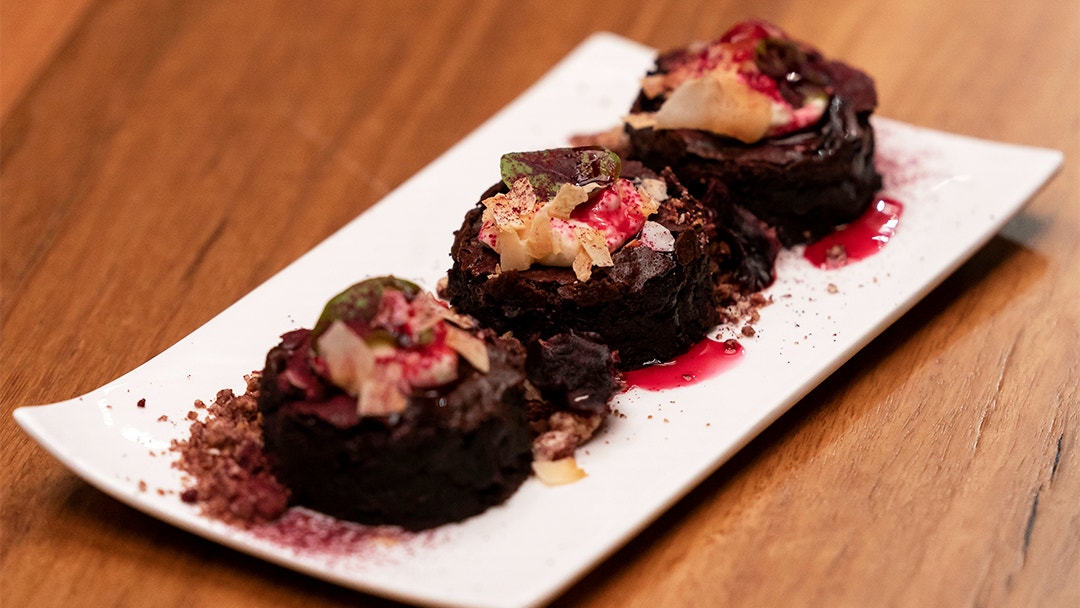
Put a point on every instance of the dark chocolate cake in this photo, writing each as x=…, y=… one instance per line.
x=785, y=130
x=650, y=302
x=444, y=437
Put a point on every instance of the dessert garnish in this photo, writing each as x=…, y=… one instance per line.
x=751, y=83
x=573, y=374
x=569, y=207
x=383, y=338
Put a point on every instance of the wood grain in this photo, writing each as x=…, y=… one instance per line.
x=167, y=157
x=31, y=33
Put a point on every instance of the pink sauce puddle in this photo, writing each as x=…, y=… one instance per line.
x=706, y=359
x=859, y=239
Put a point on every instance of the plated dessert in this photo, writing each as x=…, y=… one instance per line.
x=399, y=409
x=396, y=410
x=574, y=240
x=766, y=119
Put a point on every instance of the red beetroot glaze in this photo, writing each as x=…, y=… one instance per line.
x=706, y=359
x=859, y=239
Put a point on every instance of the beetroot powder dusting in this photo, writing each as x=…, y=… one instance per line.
x=902, y=170
x=230, y=479
x=312, y=533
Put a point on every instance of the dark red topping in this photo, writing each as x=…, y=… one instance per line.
x=705, y=360
x=860, y=239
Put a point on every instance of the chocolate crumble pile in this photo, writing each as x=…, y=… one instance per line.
x=230, y=476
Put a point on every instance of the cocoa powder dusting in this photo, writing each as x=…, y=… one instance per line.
x=230, y=476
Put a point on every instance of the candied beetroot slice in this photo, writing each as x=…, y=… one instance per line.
x=229, y=474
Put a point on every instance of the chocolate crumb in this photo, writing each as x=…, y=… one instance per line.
x=163, y=418
x=229, y=474
x=141, y=402
x=142, y=486
x=566, y=431
x=737, y=307
x=835, y=256
x=748, y=331
x=192, y=415
x=832, y=288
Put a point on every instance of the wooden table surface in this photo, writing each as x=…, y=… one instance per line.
x=162, y=158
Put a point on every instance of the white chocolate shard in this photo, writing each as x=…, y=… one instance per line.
x=718, y=102
x=558, y=472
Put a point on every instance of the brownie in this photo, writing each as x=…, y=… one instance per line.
x=803, y=182
x=450, y=450
x=648, y=306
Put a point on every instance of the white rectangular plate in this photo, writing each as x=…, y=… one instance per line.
x=958, y=192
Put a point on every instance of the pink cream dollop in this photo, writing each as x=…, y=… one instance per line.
x=617, y=213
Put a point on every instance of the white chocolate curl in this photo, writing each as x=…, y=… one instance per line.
x=524, y=230
x=718, y=102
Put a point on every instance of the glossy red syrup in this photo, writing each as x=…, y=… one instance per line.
x=707, y=358
x=859, y=239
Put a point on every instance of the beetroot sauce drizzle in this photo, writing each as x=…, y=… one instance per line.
x=704, y=360
x=854, y=241
x=859, y=239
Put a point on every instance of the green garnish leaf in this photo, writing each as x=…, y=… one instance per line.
x=548, y=170
x=361, y=302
